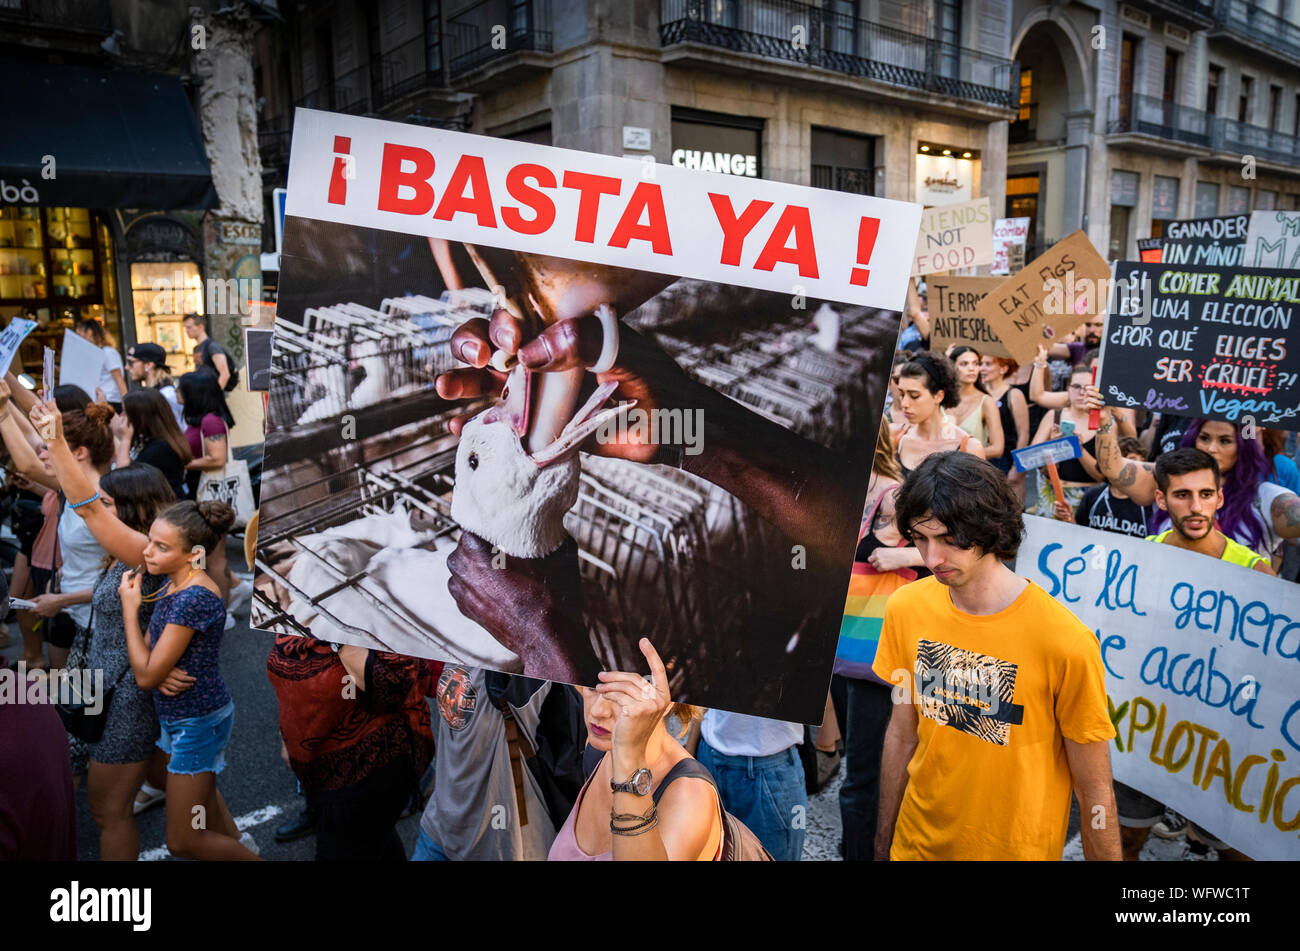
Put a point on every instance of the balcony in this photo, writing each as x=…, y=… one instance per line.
x=80, y=16
x=1147, y=115
x=1256, y=29
x=1193, y=14
x=1239, y=138
x=493, y=28
x=812, y=36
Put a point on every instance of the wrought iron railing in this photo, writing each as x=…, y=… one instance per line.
x=492, y=28
x=273, y=141
x=1229, y=135
x=859, y=181
x=813, y=36
x=1247, y=20
x=1151, y=116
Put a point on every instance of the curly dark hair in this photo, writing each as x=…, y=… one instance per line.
x=969, y=496
x=938, y=373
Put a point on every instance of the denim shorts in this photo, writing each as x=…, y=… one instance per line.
x=197, y=744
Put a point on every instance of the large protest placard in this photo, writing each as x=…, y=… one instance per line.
x=1213, y=242
x=954, y=236
x=1200, y=658
x=1010, y=235
x=701, y=286
x=1273, y=240
x=80, y=363
x=1055, y=293
x=953, y=318
x=1207, y=342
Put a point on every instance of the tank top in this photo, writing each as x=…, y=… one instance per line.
x=565, y=848
x=898, y=450
x=1233, y=552
x=974, y=424
x=1010, y=432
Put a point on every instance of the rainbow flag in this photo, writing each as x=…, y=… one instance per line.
x=864, y=612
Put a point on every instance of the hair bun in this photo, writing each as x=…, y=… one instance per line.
x=99, y=413
x=219, y=516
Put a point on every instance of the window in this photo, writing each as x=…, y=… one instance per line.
x=948, y=22
x=1238, y=200
x=1124, y=188
x=1265, y=200
x=842, y=26
x=433, y=36
x=1119, y=223
x=1127, y=58
x=1274, y=107
x=843, y=161
x=1212, y=89
x=1022, y=202
x=717, y=142
x=1164, y=203
x=1243, y=100
x=1026, y=92
x=1207, y=200
x=1024, y=128
x=1171, y=75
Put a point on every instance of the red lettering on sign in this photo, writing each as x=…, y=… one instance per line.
x=393, y=177
x=793, y=221
x=469, y=171
x=735, y=230
x=591, y=188
x=649, y=200
x=541, y=205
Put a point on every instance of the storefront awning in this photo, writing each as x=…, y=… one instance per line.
x=110, y=139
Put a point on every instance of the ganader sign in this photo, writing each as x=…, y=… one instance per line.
x=621, y=212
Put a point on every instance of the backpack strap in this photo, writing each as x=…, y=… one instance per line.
x=686, y=767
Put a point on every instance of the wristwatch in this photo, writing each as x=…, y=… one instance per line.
x=637, y=785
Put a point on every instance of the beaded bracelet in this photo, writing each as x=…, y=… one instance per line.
x=77, y=505
x=639, y=822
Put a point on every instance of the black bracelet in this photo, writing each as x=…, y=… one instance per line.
x=637, y=830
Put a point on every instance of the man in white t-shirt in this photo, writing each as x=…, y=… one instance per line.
x=759, y=776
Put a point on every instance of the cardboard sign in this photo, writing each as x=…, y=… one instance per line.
x=953, y=318
x=1059, y=290
x=1054, y=450
x=1010, y=236
x=1273, y=240
x=1149, y=250
x=80, y=363
x=11, y=339
x=1199, y=659
x=954, y=236
x=1213, y=242
x=397, y=235
x=1217, y=343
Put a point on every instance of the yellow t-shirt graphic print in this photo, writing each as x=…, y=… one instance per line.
x=997, y=696
x=966, y=690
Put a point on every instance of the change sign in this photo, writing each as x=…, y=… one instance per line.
x=1201, y=682
x=1209, y=342
x=953, y=317
x=1216, y=242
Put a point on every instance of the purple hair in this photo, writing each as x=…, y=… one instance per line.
x=1237, y=518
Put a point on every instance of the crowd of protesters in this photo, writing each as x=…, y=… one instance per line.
x=129, y=575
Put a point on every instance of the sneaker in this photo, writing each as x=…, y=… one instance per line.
x=230, y=621
x=239, y=594
x=1170, y=826
x=152, y=797
x=248, y=842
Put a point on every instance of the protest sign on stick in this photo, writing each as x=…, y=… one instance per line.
x=1206, y=342
x=1200, y=659
x=1273, y=240
x=1055, y=293
x=79, y=363
x=1213, y=242
x=1010, y=236
x=954, y=236
x=953, y=318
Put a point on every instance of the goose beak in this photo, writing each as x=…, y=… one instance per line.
x=588, y=419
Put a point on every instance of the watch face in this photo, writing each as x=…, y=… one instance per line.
x=641, y=781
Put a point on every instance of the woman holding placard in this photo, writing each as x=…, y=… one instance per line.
x=1076, y=475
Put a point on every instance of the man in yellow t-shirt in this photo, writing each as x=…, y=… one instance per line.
x=999, y=698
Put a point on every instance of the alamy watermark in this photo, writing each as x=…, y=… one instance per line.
x=67, y=686
x=656, y=427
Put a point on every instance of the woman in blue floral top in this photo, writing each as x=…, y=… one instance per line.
x=185, y=631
